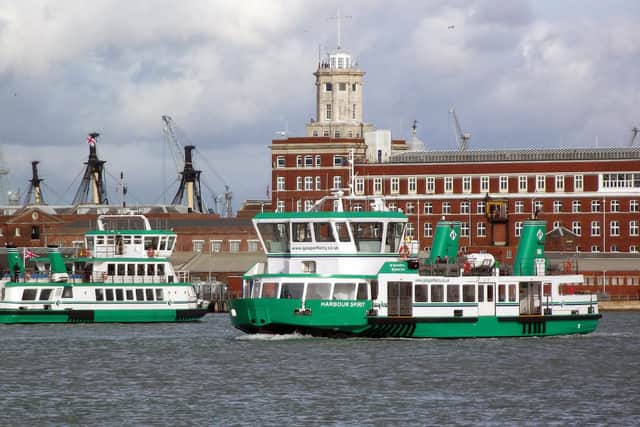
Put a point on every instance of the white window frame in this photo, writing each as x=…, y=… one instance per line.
x=412, y=185
x=234, y=245
x=595, y=228
x=484, y=184
x=377, y=185
x=448, y=184
x=466, y=184
x=395, y=185
x=517, y=230
x=559, y=183
x=430, y=184
x=557, y=206
x=576, y=206
x=578, y=183
x=634, y=228
x=614, y=228
x=428, y=229
x=359, y=182
x=504, y=184
x=280, y=183
x=337, y=182
x=576, y=228
x=541, y=183
x=318, y=183
x=308, y=183
x=518, y=207
x=280, y=162
x=481, y=229
x=523, y=181
x=299, y=183
x=428, y=208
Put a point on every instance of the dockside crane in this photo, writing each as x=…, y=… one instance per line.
x=463, y=137
x=634, y=134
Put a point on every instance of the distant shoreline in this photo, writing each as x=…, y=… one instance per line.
x=619, y=305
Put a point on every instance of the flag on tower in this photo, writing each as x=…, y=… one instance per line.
x=91, y=140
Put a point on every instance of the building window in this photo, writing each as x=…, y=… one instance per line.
x=615, y=206
x=318, y=160
x=377, y=185
x=197, y=245
x=634, y=228
x=464, y=207
x=359, y=185
x=559, y=183
x=308, y=183
x=522, y=183
x=621, y=180
x=298, y=205
x=337, y=134
x=234, y=245
x=504, y=184
x=35, y=232
x=464, y=229
x=576, y=206
x=338, y=161
x=428, y=208
x=576, y=228
x=280, y=183
x=356, y=207
x=328, y=87
x=216, y=245
x=538, y=206
x=325, y=133
x=634, y=249
x=18, y=233
x=299, y=183
x=315, y=133
x=484, y=184
x=354, y=87
x=595, y=248
x=392, y=207
x=411, y=184
x=308, y=204
x=350, y=134
x=328, y=112
x=431, y=184
x=280, y=206
x=595, y=206
x=280, y=163
x=578, y=183
x=614, y=228
x=298, y=161
x=428, y=229
x=318, y=183
x=448, y=184
x=519, y=207
x=481, y=229
x=480, y=208
x=410, y=230
x=556, y=224
x=518, y=228
x=353, y=111
x=252, y=245
x=337, y=182
x=342, y=86
x=410, y=207
x=633, y=206
x=613, y=248
x=446, y=208
x=466, y=184
x=557, y=206
x=540, y=183
x=595, y=228
x=395, y=185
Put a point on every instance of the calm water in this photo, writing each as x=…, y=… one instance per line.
x=208, y=373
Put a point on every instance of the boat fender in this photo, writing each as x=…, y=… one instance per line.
x=404, y=251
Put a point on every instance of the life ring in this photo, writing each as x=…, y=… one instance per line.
x=404, y=251
x=150, y=253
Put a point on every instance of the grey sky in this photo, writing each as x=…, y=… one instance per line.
x=231, y=74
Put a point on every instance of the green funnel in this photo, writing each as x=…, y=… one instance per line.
x=531, y=248
x=446, y=242
x=58, y=269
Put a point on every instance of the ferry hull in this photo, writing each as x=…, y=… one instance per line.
x=100, y=316
x=351, y=320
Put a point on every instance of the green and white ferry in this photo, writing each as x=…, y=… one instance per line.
x=123, y=274
x=352, y=274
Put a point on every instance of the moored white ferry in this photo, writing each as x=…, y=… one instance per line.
x=122, y=275
x=352, y=274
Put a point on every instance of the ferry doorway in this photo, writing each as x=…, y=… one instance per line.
x=530, y=300
x=399, y=297
x=486, y=299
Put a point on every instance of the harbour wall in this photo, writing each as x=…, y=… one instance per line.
x=619, y=305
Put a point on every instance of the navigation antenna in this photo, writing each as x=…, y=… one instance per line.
x=339, y=19
x=634, y=134
x=3, y=173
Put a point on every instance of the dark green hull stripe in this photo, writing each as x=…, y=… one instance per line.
x=100, y=316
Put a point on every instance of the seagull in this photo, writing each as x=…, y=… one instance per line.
x=451, y=27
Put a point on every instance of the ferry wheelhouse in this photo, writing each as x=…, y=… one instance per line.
x=123, y=274
x=354, y=274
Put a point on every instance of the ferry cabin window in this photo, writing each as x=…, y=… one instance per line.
x=275, y=236
x=421, y=293
x=480, y=293
x=150, y=242
x=502, y=297
x=292, y=290
x=119, y=295
x=89, y=243
x=109, y=294
x=301, y=231
x=159, y=294
x=394, y=236
x=129, y=294
x=160, y=269
x=343, y=232
x=45, y=294
x=512, y=293
x=131, y=269
x=149, y=294
x=29, y=294
x=368, y=236
x=489, y=293
x=121, y=269
x=547, y=289
x=437, y=293
x=139, y=295
x=67, y=292
x=137, y=240
x=374, y=289
x=99, y=294
x=323, y=232
x=453, y=293
x=151, y=269
x=256, y=289
x=171, y=242
x=344, y=291
x=468, y=293
x=111, y=269
x=269, y=290
x=318, y=291
x=361, y=293
x=140, y=269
